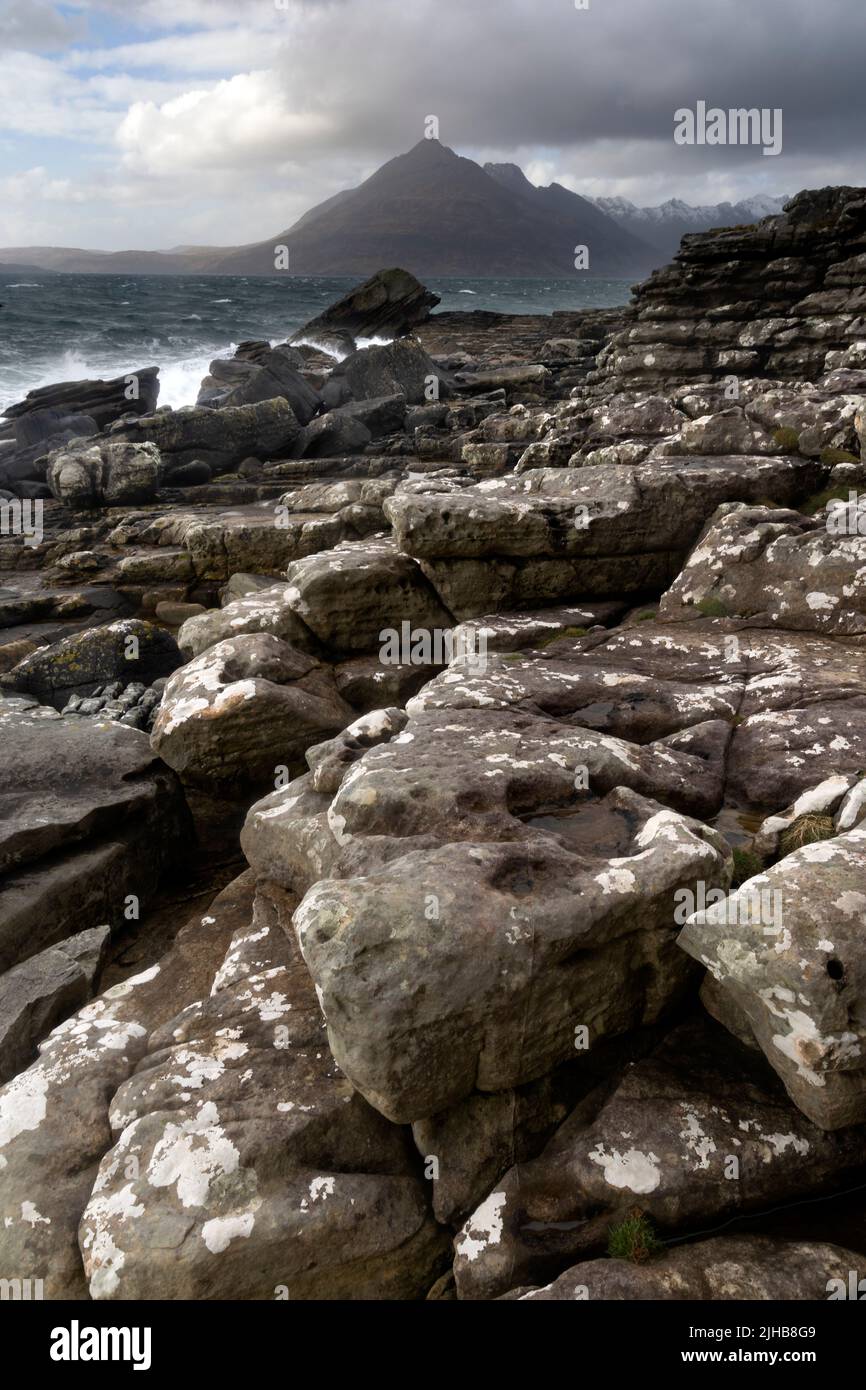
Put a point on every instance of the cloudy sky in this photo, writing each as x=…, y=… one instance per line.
x=155, y=123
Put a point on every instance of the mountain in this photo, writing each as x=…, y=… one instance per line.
x=436, y=213
x=664, y=226
x=20, y=268
x=76, y=261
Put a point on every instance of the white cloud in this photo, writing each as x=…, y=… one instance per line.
x=246, y=120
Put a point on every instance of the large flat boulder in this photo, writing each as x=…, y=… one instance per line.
x=222, y=438
x=135, y=393
x=600, y=532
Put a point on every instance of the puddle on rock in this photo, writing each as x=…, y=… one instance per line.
x=738, y=827
x=590, y=828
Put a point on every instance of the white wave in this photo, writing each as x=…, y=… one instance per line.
x=467, y=291
x=24, y=285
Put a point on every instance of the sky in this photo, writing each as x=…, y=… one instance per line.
x=157, y=123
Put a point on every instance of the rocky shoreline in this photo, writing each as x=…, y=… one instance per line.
x=497, y=695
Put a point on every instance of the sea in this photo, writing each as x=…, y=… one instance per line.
x=56, y=327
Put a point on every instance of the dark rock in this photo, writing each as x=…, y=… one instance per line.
x=222, y=438
x=389, y=304
x=399, y=368
x=103, y=401
x=728, y=1267
x=242, y=381
x=38, y=993
x=73, y=666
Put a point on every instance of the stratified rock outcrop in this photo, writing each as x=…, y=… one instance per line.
x=540, y=641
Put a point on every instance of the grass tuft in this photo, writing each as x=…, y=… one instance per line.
x=805, y=830
x=747, y=863
x=633, y=1239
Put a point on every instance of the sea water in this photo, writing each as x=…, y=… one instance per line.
x=56, y=327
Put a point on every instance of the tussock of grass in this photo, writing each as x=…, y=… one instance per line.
x=806, y=830
x=747, y=863
x=566, y=632
x=713, y=608
x=647, y=616
x=633, y=1239
x=820, y=499
x=830, y=457
x=786, y=439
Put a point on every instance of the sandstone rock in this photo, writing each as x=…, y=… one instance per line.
x=43, y=990
x=242, y=381
x=352, y=594
x=426, y=873
x=398, y=368
x=551, y=534
x=243, y=709
x=90, y=817
x=694, y=1134
x=266, y=609
x=261, y=1172
x=104, y=401
x=104, y=473
x=727, y=1267
x=799, y=980
x=222, y=438
x=54, y=1126
x=777, y=568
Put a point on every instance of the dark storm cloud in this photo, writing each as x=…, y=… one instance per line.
x=523, y=73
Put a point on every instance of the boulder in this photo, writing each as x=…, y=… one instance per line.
x=399, y=368
x=744, y=1268
x=135, y=393
x=550, y=534
x=222, y=438
x=264, y=610
x=54, y=1122
x=90, y=817
x=43, y=990
x=128, y=650
x=260, y=1173
x=778, y=568
x=459, y=879
x=391, y=303
x=351, y=595
x=103, y=473
x=241, y=381
x=800, y=978
x=694, y=1135
x=244, y=708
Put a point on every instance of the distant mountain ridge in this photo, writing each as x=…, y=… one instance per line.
x=664, y=226
x=435, y=212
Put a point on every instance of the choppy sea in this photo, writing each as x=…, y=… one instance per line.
x=57, y=327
